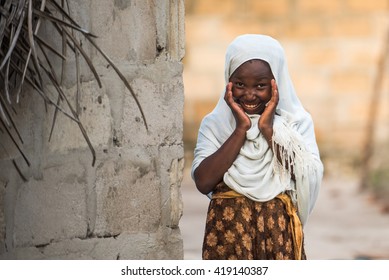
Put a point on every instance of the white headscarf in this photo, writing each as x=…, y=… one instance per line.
x=256, y=172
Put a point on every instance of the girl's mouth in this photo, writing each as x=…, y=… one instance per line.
x=250, y=107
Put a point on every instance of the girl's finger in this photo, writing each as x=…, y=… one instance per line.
x=229, y=87
x=228, y=95
x=274, y=90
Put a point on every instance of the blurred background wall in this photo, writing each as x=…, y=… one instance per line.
x=333, y=49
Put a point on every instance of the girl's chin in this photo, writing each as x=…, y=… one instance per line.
x=254, y=112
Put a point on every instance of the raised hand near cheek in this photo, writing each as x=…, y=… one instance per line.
x=242, y=120
x=265, y=122
x=274, y=98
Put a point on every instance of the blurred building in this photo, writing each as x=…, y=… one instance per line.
x=332, y=48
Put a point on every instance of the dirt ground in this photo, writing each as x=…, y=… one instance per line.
x=345, y=224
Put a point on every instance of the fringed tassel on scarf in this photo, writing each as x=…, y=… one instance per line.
x=294, y=164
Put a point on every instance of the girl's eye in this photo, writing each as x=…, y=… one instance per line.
x=239, y=84
x=261, y=86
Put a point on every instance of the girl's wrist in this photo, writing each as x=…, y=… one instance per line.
x=268, y=134
x=241, y=131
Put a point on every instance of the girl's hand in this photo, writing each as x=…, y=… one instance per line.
x=265, y=122
x=242, y=120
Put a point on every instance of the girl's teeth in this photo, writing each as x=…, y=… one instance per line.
x=251, y=106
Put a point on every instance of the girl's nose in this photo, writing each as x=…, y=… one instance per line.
x=250, y=93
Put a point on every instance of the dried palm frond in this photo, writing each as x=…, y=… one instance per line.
x=25, y=59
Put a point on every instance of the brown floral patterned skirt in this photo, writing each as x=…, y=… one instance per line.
x=240, y=228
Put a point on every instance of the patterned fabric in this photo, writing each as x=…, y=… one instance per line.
x=243, y=229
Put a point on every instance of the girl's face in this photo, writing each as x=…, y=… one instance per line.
x=251, y=85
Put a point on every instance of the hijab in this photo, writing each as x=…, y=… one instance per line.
x=256, y=172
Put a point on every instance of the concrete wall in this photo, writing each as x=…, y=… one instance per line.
x=128, y=205
x=332, y=49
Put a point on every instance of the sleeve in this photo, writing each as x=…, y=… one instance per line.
x=206, y=145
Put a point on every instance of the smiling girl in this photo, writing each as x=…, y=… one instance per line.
x=257, y=158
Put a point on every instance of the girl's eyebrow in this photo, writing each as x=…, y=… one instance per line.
x=264, y=78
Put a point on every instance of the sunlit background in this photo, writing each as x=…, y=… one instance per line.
x=337, y=57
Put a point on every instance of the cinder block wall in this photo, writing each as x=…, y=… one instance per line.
x=128, y=205
x=332, y=49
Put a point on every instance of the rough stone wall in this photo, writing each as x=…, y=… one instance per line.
x=128, y=205
x=332, y=49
